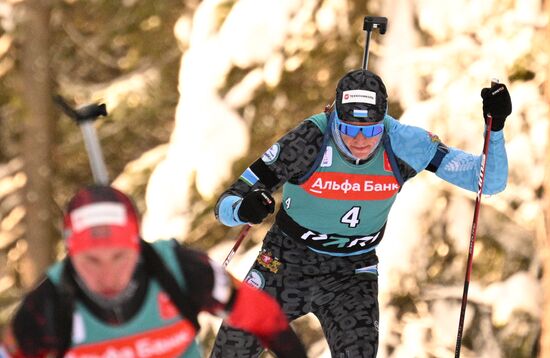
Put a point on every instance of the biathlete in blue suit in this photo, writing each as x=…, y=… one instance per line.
x=341, y=172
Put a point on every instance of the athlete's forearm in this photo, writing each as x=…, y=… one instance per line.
x=462, y=169
x=291, y=157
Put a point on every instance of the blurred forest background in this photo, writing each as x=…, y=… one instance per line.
x=196, y=90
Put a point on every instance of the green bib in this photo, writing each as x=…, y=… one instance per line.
x=157, y=329
x=342, y=199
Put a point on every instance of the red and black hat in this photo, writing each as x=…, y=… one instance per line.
x=361, y=97
x=100, y=216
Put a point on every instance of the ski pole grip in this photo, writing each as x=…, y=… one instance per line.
x=369, y=23
x=379, y=22
x=494, y=82
x=84, y=117
x=91, y=111
x=489, y=121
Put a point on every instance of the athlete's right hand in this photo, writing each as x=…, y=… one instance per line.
x=256, y=205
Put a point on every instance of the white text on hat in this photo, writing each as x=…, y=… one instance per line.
x=98, y=214
x=359, y=96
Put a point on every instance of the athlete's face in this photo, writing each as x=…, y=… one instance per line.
x=360, y=146
x=106, y=271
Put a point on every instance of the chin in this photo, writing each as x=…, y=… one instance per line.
x=364, y=153
x=362, y=156
x=110, y=294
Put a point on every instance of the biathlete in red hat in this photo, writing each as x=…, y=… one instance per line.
x=115, y=295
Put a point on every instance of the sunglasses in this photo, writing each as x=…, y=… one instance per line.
x=352, y=130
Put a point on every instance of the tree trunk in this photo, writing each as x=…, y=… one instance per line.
x=37, y=141
x=545, y=335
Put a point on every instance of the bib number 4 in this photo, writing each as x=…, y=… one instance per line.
x=351, y=217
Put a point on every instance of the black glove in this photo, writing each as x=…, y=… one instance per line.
x=256, y=205
x=497, y=102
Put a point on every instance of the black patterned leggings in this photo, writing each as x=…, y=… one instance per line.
x=345, y=302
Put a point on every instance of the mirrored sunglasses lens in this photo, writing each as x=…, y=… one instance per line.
x=373, y=131
x=368, y=131
x=349, y=130
x=353, y=131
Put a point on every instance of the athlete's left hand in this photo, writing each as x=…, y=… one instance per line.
x=497, y=102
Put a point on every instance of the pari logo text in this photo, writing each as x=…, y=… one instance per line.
x=341, y=186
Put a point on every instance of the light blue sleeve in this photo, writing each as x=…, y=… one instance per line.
x=416, y=147
x=462, y=169
x=228, y=209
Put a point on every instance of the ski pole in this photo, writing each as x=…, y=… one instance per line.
x=84, y=117
x=369, y=23
x=242, y=235
x=240, y=238
x=473, y=232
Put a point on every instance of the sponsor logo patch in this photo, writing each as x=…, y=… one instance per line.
x=266, y=259
x=271, y=154
x=334, y=241
x=170, y=341
x=343, y=186
x=255, y=279
x=359, y=96
x=327, y=158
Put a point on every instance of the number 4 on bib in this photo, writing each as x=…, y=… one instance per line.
x=351, y=217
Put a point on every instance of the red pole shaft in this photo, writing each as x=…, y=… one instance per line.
x=240, y=238
x=473, y=235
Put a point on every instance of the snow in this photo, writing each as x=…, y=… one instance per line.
x=437, y=84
